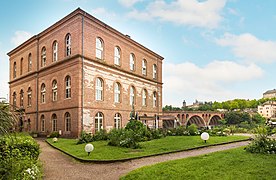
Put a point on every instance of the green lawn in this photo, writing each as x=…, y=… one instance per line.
x=230, y=164
x=168, y=144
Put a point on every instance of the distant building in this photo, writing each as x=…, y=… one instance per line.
x=270, y=94
x=267, y=109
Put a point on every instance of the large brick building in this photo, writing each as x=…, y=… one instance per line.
x=81, y=74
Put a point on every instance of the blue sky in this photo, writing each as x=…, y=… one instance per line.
x=214, y=50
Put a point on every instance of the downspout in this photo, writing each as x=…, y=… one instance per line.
x=82, y=59
x=37, y=73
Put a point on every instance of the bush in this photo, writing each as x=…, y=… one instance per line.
x=54, y=134
x=100, y=135
x=192, y=129
x=19, y=158
x=124, y=138
x=85, y=138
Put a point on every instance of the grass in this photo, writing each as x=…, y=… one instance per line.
x=229, y=164
x=168, y=144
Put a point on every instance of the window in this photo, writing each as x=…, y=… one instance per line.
x=29, y=96
x=14, y=99
x=21, y=66
x=68, y=44
x=99, y=121
x=54, y=122
x=154, y=99
x=67, y=121
x=43, y=93
x=55, y=51
x=154, y=71
x=117, y=121
x=132, y=95
x=117, y=56
x=99, y=48
x=14, y=70
x=43, y=57
x=30, y=62
x=54, y=89
x=144, y=67
x=144, y=97
x=21, y=98
x=117, y=92
x=42, y=119
x=132, y=62
x=68, y=87
x=99, y=89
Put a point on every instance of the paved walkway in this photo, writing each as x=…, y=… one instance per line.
x=60, y=166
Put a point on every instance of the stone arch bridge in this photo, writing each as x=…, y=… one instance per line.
x=172, y=119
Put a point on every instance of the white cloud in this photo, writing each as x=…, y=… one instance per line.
x=249, y=47
x=103, y=13
x=20, y=37
x=129, y=3
x=192, y=13
x=208, y=83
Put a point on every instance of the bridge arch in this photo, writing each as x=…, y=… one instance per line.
x=197, y=120
x=214, y=121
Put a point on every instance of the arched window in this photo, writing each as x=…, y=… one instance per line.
x=117, y=55
x=117, y=92
x=154, y=99
x=30, y=62
x=154, y=71
x=54, y=122
x=132, y=62
x=67, y=121
x=55, y=51
x=43, y=93
x=54, y=89
x=117, y=120
x=99, y=89
x=29, y=96
x=21, y=98
x=68, y=44
x=68, y=87
x=99, y=48
x=43, y=57
x=144, y=97
x=14, y=70
x=21, y=66
x=42, y=120
x=99, y=121
x=132, y=95
x=14, y=99
x=144, y=67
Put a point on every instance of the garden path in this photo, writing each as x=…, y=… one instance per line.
x=57, y=165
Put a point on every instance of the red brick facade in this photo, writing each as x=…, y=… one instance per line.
x=72, y=106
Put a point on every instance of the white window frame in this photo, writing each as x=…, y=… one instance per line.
x=67, y=121
x=43, y=93
x=67, y=87
x=117, y=120
x=99, y=121
x=132, y=95
x=154, y=99
x=43, y=57
x=55, y=51
x=154, y=71
x=54, y=89
x=144, y=97
x=21, y=98
x=30, y=62
x=117, y=92
x=42, y=120
x=132, y=62
x=68, y=44
x=144, y=67
x=99, y=89
x=14, y=70
x=29, y=97
x=117, y=55
x=99, y=48
x=54, y=123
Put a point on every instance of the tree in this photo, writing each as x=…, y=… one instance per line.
x=7, y=119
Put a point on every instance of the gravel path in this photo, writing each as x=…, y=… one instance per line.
x=60, y=166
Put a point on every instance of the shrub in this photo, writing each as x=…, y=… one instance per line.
x=54, y=134
x=124, y=138
x=192, y=129
x=19, y=158
x=100, y=135
x=85, y=138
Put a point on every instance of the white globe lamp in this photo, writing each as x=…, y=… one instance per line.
x=89, y=148
x=204, y=136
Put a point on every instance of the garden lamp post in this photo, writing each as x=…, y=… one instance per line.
x=204, y=136
x=89, y=148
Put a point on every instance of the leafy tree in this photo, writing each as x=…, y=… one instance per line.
x=7, y=119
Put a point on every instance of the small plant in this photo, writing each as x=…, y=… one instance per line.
x=192, y=129
x=54, y=134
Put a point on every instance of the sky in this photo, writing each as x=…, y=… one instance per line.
x=214, y=50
